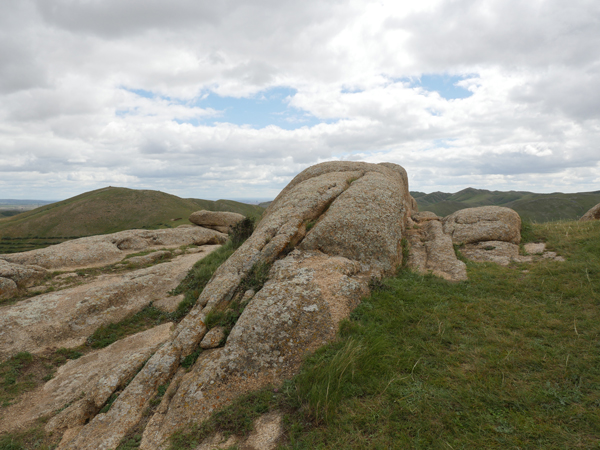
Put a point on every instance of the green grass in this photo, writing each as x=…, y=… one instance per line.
x=109, y=210
x=24, y=372
x=509, y=359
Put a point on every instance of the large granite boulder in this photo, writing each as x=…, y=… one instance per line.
x=592, y=214
x=486, y=223
x=217, y=220
x=332, y=229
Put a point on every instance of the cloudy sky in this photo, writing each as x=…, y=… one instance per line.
x=231, y=98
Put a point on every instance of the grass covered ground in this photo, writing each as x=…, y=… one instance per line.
x=509, y=359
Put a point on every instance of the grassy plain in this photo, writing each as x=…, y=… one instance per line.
x=509, y=359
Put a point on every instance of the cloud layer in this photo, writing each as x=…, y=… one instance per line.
x=156, y=95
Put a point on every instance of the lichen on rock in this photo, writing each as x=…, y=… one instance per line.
x=333, y=228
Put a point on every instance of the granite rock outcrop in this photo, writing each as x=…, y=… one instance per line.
x=332, y=229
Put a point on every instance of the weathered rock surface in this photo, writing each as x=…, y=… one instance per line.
x=213, y=338
x=22, y=275
x=66, y=318
x=96, y=251
x=486, y=223
x=498, y=252
x=355, y=213
x=268, y=430
x=97, y=375
x=8, y=288
x=592, y=214
x=432, y=251
x=217, y=220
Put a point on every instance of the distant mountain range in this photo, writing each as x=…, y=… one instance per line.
x=112, y=209
x=530, y=206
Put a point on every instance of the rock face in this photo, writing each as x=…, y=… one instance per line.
x=486, y=223
x=21, y=275
x=96, y=251
x=216, y=220
x=432, y=250
x=66, y=318
x=592, y=214
x=329, y=231
x=97, y=375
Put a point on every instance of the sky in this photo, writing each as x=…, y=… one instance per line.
x=231, y=99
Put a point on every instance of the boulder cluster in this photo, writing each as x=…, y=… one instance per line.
x=322, y=241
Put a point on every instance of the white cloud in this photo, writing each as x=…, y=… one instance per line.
x=71, y=118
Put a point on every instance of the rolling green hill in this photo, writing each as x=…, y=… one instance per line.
x=530, y=206
x=109, y=210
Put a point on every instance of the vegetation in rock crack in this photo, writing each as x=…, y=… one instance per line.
x=242, y=231
x=234, y=419
x=24, y=372
x=148, y=317
x=33, y=438
x=508, y=359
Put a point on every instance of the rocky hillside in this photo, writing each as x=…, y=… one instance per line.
x=104, y=211
x=530, y=206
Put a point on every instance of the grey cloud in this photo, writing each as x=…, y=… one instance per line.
x=510, y=33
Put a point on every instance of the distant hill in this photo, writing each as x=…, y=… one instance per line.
x=530, y=206
x=112, y=209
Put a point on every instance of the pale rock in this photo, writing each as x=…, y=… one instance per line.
x=424, y=216
x=66, y=318
x=360, y=210
x=217, y=220
x=22, y=275
x=431, y=251
x=592, y=214
x=213, y=338
x=149, y=258
x=486, y=223
x=535, y=248
x=268, y=429
x=498, y=252
x=96, y=374
x=97, y=251
x=8, y=288
x=169, y=303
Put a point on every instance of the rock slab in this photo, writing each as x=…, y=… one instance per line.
x=486, y=223
x=216, y=220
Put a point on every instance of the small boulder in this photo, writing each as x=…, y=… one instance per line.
x=486, y=223
x=592, y=214
x=216, y=220
x=213, y=338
